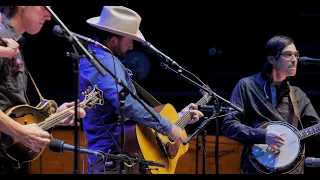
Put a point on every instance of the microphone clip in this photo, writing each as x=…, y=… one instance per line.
x=75, y=56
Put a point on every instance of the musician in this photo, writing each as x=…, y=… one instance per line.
x=116, y=29
x=17, y=20
x=265, y=97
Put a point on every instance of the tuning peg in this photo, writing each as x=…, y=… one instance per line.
x=89, y=89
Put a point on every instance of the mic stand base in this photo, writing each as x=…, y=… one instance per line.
x=197, y=152
x=204, y=156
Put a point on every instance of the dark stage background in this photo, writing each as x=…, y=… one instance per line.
x=186, y=32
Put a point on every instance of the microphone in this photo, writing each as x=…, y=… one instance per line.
x=150, y=48
x=59, y=32
x=59, y=146
x=307, y=60
x=312, y=162
x=207, y=108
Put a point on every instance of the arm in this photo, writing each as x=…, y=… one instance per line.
x=232, y=126
x=9, y=126
x=133, y=109
x=30, y=135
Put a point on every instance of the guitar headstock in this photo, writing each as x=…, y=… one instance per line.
x=92, y=97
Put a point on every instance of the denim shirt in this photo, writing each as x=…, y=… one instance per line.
x=94, y=127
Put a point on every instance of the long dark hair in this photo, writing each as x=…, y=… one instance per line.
x=273, y=48
x=276, y=44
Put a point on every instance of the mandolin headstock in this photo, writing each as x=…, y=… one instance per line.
x=92, y=97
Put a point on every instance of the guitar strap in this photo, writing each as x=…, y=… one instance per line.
x=148, y=97
x=41, y=98
x=295, y=106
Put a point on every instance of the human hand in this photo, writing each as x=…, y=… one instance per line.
x=32, y=136
x=275, y=140
x=70, y=120
x=11, y=50
x=195, y=113
x=176, y=135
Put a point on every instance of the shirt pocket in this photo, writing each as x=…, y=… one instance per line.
x=15, y=78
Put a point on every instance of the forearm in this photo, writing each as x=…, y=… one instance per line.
x=9, y=126
x=135, y=111
x=234, y=130
x=5, y=52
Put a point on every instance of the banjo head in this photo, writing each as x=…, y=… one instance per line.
x=288, y=152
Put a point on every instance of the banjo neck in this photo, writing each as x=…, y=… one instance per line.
x=309, y=131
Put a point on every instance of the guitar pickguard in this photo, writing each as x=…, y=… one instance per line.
x=172, y=150
x=161, y=144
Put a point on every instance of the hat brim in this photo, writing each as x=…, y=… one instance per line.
x=95, y=23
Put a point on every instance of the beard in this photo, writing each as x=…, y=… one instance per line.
x=118, y=53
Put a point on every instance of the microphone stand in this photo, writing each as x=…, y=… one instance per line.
x=135, y=160
x=206, y=122
x=74, y=41
x=100, y=66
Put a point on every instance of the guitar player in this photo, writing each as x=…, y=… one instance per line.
x=265, y=97
x=117, y=28
x=17, y=20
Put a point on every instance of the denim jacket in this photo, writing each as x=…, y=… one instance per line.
x=96, y=128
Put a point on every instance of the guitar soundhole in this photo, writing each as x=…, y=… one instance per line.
x=172, y=150
x=14, y=115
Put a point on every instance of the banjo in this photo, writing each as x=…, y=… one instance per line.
x=267, y=161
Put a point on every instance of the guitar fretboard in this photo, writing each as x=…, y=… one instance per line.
x=183, y=121
x=56, y=118
x=309, y=131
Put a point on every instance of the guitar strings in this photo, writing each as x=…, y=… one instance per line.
x=183, y=121
x=62, y=113
x=56, y=118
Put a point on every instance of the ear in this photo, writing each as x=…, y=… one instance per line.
x=271, y=59
x=113, y=40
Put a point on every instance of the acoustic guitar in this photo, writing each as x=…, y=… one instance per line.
x=156, y=147
x=44, y=115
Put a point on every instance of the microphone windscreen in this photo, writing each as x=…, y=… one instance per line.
x=55, y=145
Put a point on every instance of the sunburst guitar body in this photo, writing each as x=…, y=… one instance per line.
x=44, y=114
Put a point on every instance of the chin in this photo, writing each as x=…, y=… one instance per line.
x=292, y=74
x=33, y=31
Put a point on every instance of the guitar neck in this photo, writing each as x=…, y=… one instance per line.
x=183, y=121
x=309, y=131
x=56, y=118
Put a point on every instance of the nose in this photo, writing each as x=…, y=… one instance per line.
x=295, y=58
x=48, y=18
x=47, y=15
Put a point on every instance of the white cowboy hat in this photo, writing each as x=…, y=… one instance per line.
x=119, y=20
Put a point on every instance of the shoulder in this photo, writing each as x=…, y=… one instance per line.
x=298, y=91
x=248, y=81
x=100, y=54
